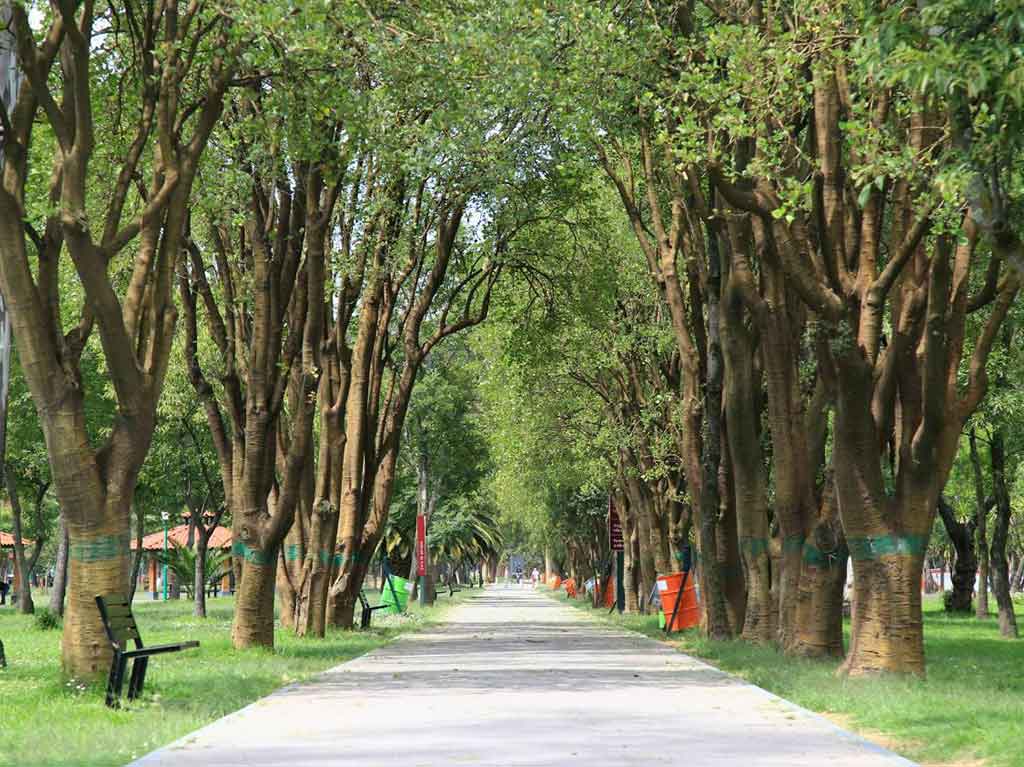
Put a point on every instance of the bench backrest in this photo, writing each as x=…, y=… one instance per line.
x=118, y=621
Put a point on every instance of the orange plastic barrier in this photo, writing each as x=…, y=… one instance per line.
x=570, y=587
x=556, y=582
x=609, y=592
x=688, y=615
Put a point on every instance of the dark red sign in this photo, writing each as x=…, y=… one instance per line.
x=421, y=545
x=614, y=529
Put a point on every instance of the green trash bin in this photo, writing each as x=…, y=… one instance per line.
x=400, y=588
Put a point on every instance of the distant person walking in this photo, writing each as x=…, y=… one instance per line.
x=535, y=576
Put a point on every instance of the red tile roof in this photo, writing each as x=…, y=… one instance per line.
x=221, y=538
x=7, y=541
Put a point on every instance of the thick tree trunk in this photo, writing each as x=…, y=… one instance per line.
x=819, y=610
x=965, y=564
x=60, y=569
x=887, y=536
x=886, y=627
x=99, y=564
x=748, y=481
x=714, y=588
x=729, y=558
x=253, y=625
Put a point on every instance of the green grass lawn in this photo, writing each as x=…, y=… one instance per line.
x=46, y=721
x=970, y=707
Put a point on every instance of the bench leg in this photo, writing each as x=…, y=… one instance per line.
x=138, y=677
x=367, y=616
x=116, y=680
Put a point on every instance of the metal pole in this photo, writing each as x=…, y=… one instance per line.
x=620, y=578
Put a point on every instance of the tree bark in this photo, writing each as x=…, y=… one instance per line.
x=981, y=529
x=1000, y=567
x=25, y=604
x=133, y=581
x=965, y=564
x=199, y=584
x=714, y=593
x=60, y=570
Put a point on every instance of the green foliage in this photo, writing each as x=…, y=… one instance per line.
x=45, y=620
x=182, y=560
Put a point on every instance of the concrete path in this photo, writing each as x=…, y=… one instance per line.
x=515, y=678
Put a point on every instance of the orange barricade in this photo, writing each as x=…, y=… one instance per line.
x=570, y=588
x=688, y=614
x=556, y=582
x=609, y=592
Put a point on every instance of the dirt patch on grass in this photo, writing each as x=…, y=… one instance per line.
x=891, y=743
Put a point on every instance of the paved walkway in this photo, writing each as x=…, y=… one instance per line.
x=515, y=678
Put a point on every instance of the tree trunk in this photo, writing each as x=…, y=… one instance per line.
x=714, y=593
x=749, y=486
x=60, y=570
x=886, y=628
x=819, y=609
x=886, y=624
x=981, y=530
x=1000, y=567
x=202, y=542
x=965, y=564
x=729, y=558
x=25, y=603
x=133, y=581
x=99, y=563
x=253, y=625
x=628, y=518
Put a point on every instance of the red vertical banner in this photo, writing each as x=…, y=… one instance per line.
x=614, y=528
x=421, y=545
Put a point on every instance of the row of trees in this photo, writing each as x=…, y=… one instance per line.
x=751, y=268
x=823, y=201
x=288, y=207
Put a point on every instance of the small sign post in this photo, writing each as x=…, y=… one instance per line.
x=421, y=556
x=618, y=546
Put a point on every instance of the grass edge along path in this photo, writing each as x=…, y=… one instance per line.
x=966, y=713
x=46, y=721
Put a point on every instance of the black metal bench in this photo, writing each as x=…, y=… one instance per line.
x=368, y=610
x=119, y=623
x=3, y=658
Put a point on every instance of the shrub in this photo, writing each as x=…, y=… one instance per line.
x=46, y=620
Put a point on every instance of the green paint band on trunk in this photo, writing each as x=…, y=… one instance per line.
x=793, y=544
x=754, y=546
x=341, y=557
x=868, y=548
x=100, y=548
x=293, y=552
x=249, y=554
x=324, y=556
x=815, y=557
